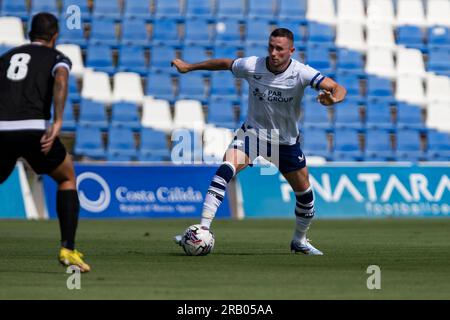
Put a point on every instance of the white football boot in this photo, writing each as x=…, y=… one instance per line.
x=306, y=248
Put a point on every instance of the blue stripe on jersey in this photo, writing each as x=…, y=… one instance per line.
x=313, y=79
x=319, y=82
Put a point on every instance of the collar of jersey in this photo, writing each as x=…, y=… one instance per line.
x=277, y=73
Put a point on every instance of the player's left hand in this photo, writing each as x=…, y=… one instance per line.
x=326, y=98
x=49, y=137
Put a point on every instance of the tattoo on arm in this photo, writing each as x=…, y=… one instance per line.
x=60, y=93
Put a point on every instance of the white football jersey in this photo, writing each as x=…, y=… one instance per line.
x=274, y=99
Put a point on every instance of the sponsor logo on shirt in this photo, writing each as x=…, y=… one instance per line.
x=271, y=96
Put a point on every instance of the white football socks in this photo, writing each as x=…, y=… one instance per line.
x=302, y=225
x=216, y=193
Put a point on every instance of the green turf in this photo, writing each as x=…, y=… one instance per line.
x=251, y=260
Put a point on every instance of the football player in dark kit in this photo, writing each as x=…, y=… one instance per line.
x=33, y=76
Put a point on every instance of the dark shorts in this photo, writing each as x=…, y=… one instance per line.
x=290, y=157
x=26, y=144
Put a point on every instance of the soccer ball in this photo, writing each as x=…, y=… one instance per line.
x=197, y=240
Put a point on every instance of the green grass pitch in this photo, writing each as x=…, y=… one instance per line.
x=136, y=259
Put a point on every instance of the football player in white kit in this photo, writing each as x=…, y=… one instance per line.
x=276, y=86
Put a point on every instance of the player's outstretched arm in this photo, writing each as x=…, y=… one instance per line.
x=211, y=65
x=331, y=93
x=59, y=100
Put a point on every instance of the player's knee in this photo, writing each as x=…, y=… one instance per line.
x=304, y=178
x=65, y=174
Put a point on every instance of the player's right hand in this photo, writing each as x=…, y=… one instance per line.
x=326, y=98
x=49, y=137
x=181, y=66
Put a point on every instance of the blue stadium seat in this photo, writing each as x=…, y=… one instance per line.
x=222, y=84
x=230, y=9
x=99, y=57
x=315, y=116
x=225, y=51
x=137, y=9
x=74, y=92
x=121, y=145
x=256, y=50
x=349, y=61
x=119, y=157
x=125, y=115
x=44, y=6
x=103, y=32
x=378, y=146
x=310, y=94
x=149, y=157
x=73, y=35
x=321, y=35
x=159, y=85
x=92, y=114
x=191, y=86
x=439, y=61
x=193, y=54
x=16, y=8
x=257, y=31
x=408, y=146
x=134, y=32
x=69, y=122
x=292, y=9
x=161, y=58
x=379, y=89
x=378, y=116
x=88, y=142
x=167, y=9
x=315, y=143
x=82, y=4
x=346, y=146
x=106, y=9
x=438, y=146
x=132, y=59
x=351, y=83
x=228, y=32
x=411, y=36
x=221, y=113
x=294, y=26
x=153, y=146
x=197, y=32
x=409, y=117
x=261, y=9
x=319, y=59
x=199, y=8
x=165, y=32
x=347, y=116
x=439, y=37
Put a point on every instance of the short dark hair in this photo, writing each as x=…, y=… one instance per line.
x=43, y=26
x=283, y=32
